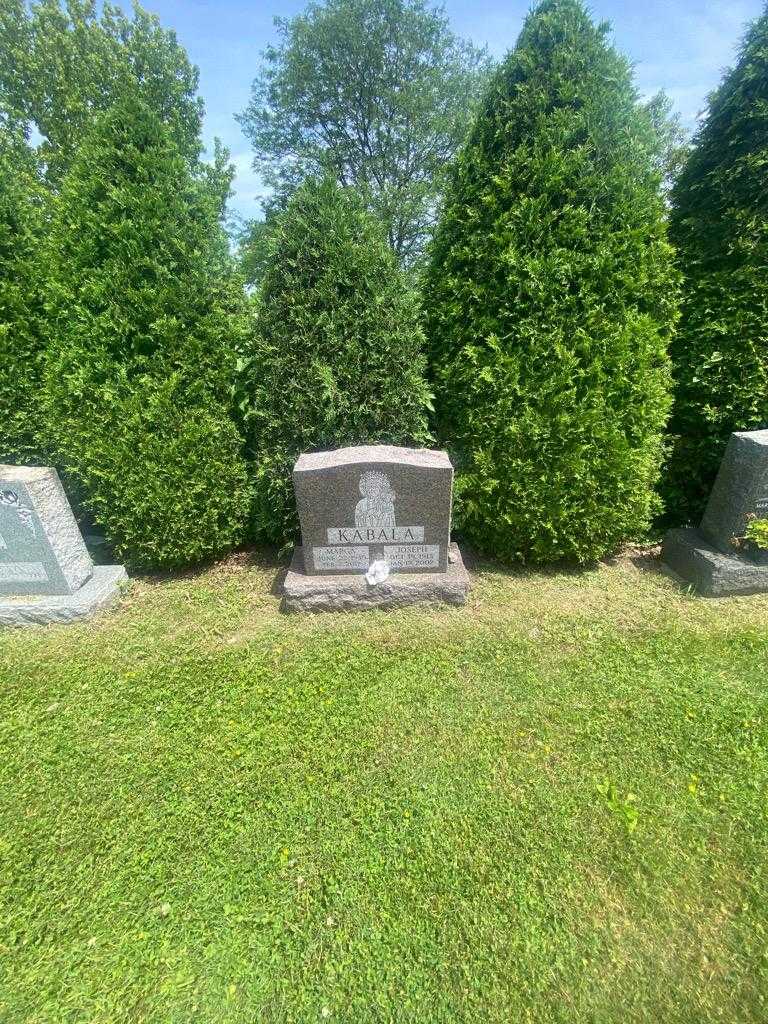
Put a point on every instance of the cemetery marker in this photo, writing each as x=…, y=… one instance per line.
x=714, y=557
x=376, y=530
x=46, y=573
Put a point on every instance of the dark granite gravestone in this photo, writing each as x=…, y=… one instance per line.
x=714, y=557
x=46, y=573
x=357, y=505
x=740, y=492
x=374, y=521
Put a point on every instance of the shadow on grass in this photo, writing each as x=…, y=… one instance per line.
x=481, y=564
x=646, y=558
x=653, y=565
x=274, y=563
x=264, y=558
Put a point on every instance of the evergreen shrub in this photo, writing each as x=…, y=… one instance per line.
x=147, y=322
x=164, y=476
x=22, y=217
x=550, y=299
x=338, y=358
x=719, y=225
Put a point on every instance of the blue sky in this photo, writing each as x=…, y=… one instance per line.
x=681, y=46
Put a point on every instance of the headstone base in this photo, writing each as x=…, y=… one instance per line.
x=303, y=593
x=98, y=592
x=712, y=573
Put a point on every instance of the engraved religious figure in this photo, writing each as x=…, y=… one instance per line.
x=377, y=505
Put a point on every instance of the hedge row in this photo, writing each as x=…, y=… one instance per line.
x=21, y=313
x=175, y=405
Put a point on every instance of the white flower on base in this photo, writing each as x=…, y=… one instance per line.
x=378, y=571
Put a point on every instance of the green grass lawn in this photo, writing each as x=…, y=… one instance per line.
x=548, y=806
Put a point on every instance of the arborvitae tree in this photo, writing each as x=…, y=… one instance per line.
x=62, y=64
x=146, y=318
x=339, y=346
x=720, y=228
x=550, y=299
x=21, y=224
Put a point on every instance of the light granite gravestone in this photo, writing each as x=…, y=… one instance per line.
x=376, y=530
x=46, y=573
x=714, y=557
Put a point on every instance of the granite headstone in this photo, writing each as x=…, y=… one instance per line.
x=46, y=572
x=378, y=516
x=359, y=505
x=714, y=557
x=740, y=491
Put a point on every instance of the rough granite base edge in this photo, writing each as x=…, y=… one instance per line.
x=712, y=573
x=61, y=529
x=302, y=593
x=100, y=590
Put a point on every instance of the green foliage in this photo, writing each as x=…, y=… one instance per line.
x=550, y=299
x=673, y=139
x=338, y=358
x=720, y=228
x=623, y=807
x=254, y=244
x=147, y=320
x=165, y=477
x=61, y=63
x=548, y=807
x=21, y=343
x=757, y=532
x=376, y=92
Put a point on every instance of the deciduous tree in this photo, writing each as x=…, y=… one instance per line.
x=376, y=92
x=63, y=62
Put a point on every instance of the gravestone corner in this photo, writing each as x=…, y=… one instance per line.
x=46, y=572
x=715, y=558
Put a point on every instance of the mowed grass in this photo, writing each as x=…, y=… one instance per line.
x=548, y=806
